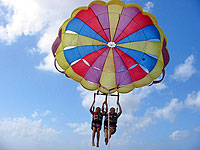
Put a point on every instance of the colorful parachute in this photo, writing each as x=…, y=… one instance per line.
x=111, y=47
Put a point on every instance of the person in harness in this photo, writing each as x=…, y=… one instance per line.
x=97, y=118
x=113, y=117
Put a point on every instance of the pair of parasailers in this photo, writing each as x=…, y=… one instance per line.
x=98, y=118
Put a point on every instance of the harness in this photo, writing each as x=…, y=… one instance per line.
x=113, y=119
x=97, y=117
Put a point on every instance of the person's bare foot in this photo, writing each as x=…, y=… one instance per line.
x=106, y=141
x=98, y=145
x=93, y=144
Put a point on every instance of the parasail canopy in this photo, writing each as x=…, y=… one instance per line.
x=111, y=47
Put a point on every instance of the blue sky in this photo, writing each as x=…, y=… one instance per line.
x=41, y=109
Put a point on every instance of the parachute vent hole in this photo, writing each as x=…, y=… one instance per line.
x=154, y=40
x=132, y=67
x=69, y=47
x=70, y=32
x=96, y=68
x=143, y=58
x=153, y=56
x=144, y=68
x=73, y=63
x=86, y=62
x=108, y=71
x=121, y=70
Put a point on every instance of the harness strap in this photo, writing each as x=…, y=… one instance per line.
x=93, y=108
x=158, y=81
x=166, y=59
x=107, y=88
x=57, y=67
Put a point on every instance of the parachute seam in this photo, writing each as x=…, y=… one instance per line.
x=90, y=27
x=126, y=27
x=124, y=64
x=101, y=25
x=95, y=61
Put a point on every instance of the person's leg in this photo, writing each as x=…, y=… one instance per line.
x=98, y=136
x=106, y=135
x=111, y=131
x=93, y=136
x=114, y=130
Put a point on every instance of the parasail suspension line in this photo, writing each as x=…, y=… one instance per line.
x=109, y=94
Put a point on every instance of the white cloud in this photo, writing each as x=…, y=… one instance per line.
x=122, y=140
x=26, y=129
x=47, y=64
x=53, y=119
x=133, y=123
x=179, y=135
x=160, y=86
x=35, y=114
x=142, y=123
x=33, y=16
x=87, y=97
x=83, y=128
x=148, y=6
x=130, y=101
x=72, y=125
x=193, y=100
x=3, y=16
x=169, y=111
x=126, y=119
x=46, y=113
x=184, y=71
x=44, y=46
x=24, y=19
x=134, y=100
x=197, y=129
x=36, y=17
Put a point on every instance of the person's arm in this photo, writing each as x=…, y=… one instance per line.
x=105, y=103
x=93, y=104
x=120, y=108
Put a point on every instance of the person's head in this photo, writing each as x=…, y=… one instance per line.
x=98, y=109
x=112, y=110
